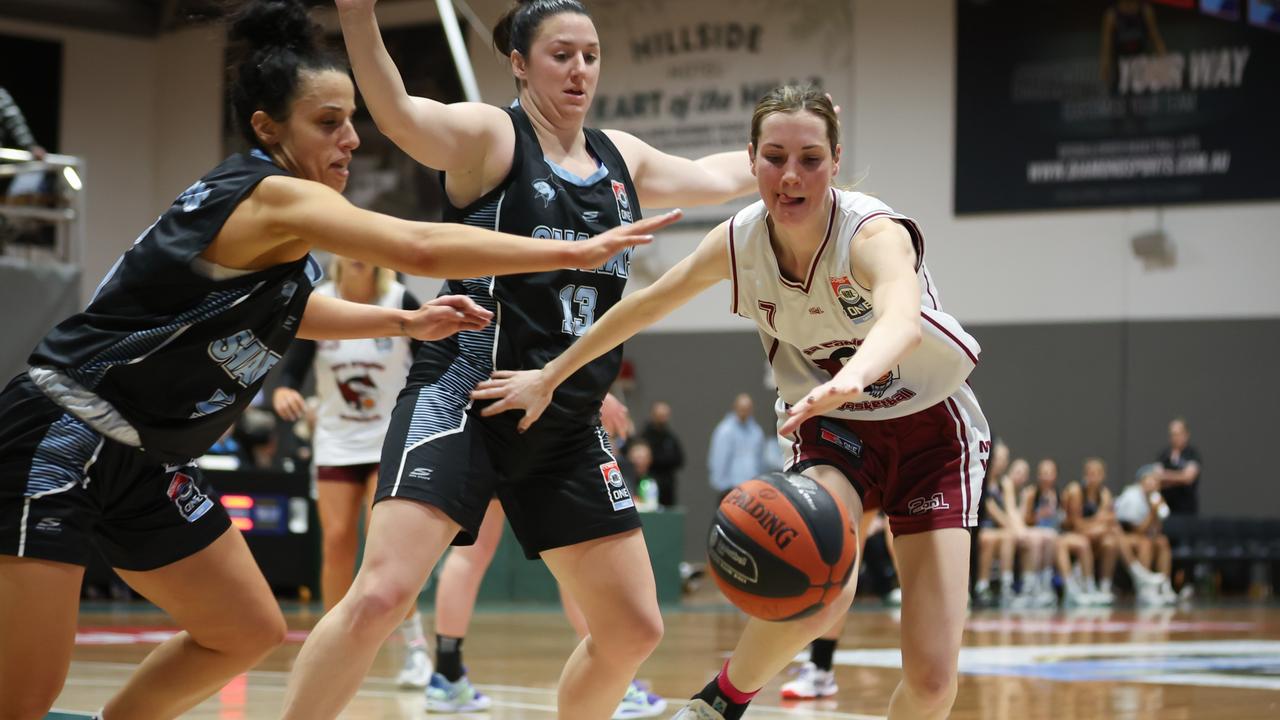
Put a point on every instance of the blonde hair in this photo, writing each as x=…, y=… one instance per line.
x=382, y=277
x=794, y=99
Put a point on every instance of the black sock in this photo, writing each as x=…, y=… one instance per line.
x=822, y=653
x=449, y=657
x=712, y=695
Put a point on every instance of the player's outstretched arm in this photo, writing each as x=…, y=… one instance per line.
x=886, y=259
x=320, y=217
x=664, y=180
x=531, y=390
x=448, y=137
x=330, y=318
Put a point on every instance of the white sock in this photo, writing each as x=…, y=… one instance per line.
x=1105, y=585
x=1090, y=584
x=981, y=586
x=1006, y=582
x=411, y=630
x=1028, y=582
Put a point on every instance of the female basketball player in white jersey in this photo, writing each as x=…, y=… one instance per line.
x=96, y=439
x=356, y=385
x=871, y=384
x=534, y=169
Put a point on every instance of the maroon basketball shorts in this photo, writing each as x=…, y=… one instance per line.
x=926, y=468
x=357, y=474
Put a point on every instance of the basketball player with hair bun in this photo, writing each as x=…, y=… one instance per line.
x=872, y=399
x=532, y=169
x=97, y=437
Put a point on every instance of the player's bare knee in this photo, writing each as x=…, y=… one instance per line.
x=378, y=604
x=634, y=637
x=932, y=683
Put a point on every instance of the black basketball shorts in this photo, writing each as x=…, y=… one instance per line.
x=559, y=482
x=64, y=488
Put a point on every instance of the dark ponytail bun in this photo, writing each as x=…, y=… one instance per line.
x=517, y=27
x=273, y=42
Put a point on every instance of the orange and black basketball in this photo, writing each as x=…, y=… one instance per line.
x=781, y=546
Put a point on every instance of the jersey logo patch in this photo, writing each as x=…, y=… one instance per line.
x=616, y=487
x=544, y=190
x=624, y=202
x=840, y=437
x=855, y=306
x=192, y=504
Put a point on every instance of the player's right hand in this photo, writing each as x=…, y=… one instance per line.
x=596, y=252
x=515, y=390
x=288, y=403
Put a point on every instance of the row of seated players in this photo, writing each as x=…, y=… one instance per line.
x=1064, y=531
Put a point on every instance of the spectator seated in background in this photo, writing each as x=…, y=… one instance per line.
x=994, y=534
x=1140, y=509
x=1041, y=507
x=1090, y=512
x=1038, y=544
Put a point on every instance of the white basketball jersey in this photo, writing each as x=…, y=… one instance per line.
x=810, y=329
x=357, y=382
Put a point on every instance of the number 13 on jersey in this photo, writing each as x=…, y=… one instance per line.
x=578, y=302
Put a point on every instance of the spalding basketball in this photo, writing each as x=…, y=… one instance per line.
x=781, y=546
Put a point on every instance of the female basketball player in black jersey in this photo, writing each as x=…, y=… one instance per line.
x=531, y=169
x=96, y=440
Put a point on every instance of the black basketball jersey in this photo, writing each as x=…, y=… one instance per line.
x=538, y=315
x=173, y=345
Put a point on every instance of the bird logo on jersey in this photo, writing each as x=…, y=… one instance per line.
x=855, y=306
x=358, y=392
x=542, y=188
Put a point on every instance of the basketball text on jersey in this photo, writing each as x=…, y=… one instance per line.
x=616, y=487
x=244, y=357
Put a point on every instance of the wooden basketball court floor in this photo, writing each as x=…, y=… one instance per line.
x=1221, y=663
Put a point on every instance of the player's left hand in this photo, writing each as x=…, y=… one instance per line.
x=444, y=316
x=820, y=401
x=616, y=418
x=515, y=390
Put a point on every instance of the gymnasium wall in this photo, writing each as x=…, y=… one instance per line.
x=1087, y=350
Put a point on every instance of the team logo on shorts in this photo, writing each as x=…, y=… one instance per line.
x=842, y=438
x=616, y=487
x=624, y=202
x=855, y=306
x=192, y=503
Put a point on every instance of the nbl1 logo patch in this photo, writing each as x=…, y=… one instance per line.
x=623, y=201
x=191, y=502
x=856, y=307
x=616, y=487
